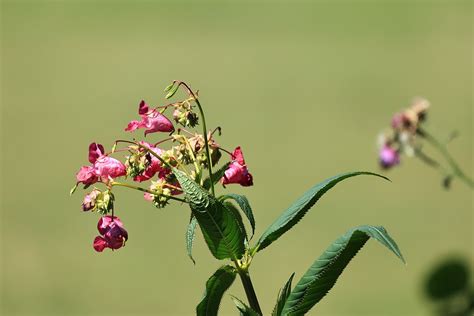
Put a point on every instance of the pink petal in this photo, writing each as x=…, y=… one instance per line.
x=86, y=175
x=157, y=122
x=133, y=125
x=238, y=156
x=143, y=108
x=99, y=244
x=107, y=167
x=95, y=151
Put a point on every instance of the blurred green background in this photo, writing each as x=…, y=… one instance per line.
x=304, y=88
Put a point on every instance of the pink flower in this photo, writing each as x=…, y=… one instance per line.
x=109, y=168
x=113, y=234
x=237, y=171
x=388, y=157
x=103, y=168
x=153, y=167
x=152, y=120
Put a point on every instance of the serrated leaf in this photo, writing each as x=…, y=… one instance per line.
x=300, y=207
x=232, y=208
x=324, y=272
x=216, y=176
x=243, y=308
x=172, y=91
x=190, y=233
x=221, y=229
x=282, y=296
x=244, y=204
x=216, y=286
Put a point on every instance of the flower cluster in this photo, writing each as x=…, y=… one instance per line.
x=153, y=163
x=402, y=137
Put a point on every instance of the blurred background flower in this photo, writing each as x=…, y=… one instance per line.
x=338, y=69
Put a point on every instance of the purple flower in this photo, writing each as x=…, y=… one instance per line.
x=113, y=235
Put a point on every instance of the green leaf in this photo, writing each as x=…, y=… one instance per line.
x=222, y=230
x=232, y=208
x=324, y=272
x=243, y=308
x=216, y=286
x=190, y=233
x=71, y=192
x=244, y=204
x=300, y=207
x=216, y=176
x=282, y=296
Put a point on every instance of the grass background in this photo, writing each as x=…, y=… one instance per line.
x=303, y=87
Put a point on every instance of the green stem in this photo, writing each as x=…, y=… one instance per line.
x=126, y=185
x=249, y=290
x=204, y=127
x=456, y=170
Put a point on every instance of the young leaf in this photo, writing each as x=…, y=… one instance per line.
x=300, y=207
x=324, y=272
x=216, y=286
x=216, y=176
x=190, y=233
x=243, y=308
x=172, y=91
x=282, y=296
x=221, y=229
x=244, y=206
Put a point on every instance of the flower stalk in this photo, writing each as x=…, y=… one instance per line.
x=455, y=169
x=249, y=290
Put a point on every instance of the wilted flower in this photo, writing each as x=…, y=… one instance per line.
x=152, y=121
x=237, y=171
x=142, y=165
x=388, y=156
x=113, y=235
x=89, y=202
x=409, y=119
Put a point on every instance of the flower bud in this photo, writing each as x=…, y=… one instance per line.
x=388, y=157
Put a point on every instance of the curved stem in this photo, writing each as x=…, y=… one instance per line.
x=456, y=170
x=204, y=127
x=249, y=290
x=126, y=185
